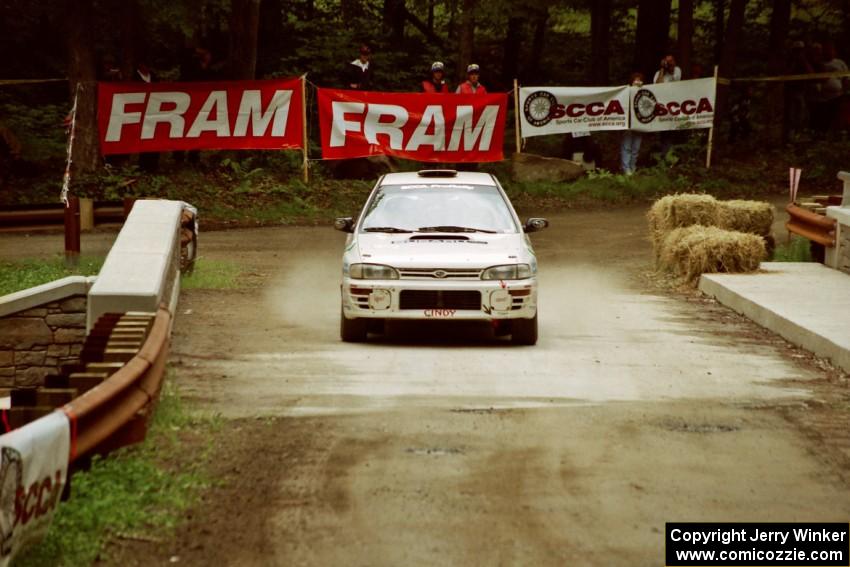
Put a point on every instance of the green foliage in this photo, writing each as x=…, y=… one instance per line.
x=212, y=274
x=130, y=492
x=38, y=128
x=798, y=250
x=24, y=274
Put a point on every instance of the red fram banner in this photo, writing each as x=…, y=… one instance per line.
x=158, y=117
x=422, y=127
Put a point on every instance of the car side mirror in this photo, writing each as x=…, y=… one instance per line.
x=344, y=224
x=535, y=224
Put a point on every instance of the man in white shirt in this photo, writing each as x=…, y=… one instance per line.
x=668, y=72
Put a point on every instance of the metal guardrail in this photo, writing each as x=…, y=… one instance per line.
x=109, y=396
x=115, y=413
x=22, y=218
x=815, y=227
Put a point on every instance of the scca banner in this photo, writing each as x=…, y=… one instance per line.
x=421, y=127
x=679, y=105
x=157, y=117
x=33, y=472
x=559, y=110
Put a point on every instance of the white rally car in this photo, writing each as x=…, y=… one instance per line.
x=439, y=244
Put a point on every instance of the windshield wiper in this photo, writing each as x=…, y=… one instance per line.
x=451, y=228
x=385, y=229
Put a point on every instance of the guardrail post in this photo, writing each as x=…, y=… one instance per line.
x=72, y=232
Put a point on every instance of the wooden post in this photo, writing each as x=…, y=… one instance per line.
x=711, y=130
x=72, y=232
x=516, y=118
x=305, y=140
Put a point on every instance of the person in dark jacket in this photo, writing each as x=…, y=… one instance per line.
x=436, y=83
x=358, y=73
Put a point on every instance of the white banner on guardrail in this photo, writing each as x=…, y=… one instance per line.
x=33, y=472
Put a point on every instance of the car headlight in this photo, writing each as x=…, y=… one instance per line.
x=507, y=272
x=372, y=272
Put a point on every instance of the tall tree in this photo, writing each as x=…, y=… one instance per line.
x=82, y=74
x=511, y=49
x=652, y=35
x=719, y=25
x=540, y=21
x=600, y=31
x=244, y=23
x=729, y=55
x=395, y=14
x=467, y=37
x=685, y=36
x=780, y=21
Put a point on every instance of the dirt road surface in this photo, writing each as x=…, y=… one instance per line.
x=440, y=445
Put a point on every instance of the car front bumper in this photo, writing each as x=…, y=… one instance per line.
x=444, y=299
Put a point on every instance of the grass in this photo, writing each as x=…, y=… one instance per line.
x=798, y=250
x=15, y=276
x=135, y=492
x=212, y=274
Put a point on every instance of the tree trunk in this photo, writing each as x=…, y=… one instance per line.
x=467, y=38
x=82, y=74
x=541, y=22
x=780, y=21
x=130, y=20
x=652, y=35
x=244, y=23
x=737, y=11
x=685, y=36
x=600, y=31
x=511, y=48
x=431, y=4
x=395, y=14
x=719, y=26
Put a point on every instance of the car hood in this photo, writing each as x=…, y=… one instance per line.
x=443, y=250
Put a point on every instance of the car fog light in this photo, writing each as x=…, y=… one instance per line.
x=380, y=299
x=500, y=300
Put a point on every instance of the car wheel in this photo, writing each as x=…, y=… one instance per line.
x=524, y=331
x=352, y=330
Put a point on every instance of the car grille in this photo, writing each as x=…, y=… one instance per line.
x=440, y=273
x=440, y=299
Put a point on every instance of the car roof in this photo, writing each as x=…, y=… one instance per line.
x=413, y=177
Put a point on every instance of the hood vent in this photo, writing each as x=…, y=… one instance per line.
x=438, y=237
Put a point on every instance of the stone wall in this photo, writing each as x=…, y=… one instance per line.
x=844, y=249
x=36, y=341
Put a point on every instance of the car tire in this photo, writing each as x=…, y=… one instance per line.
x=524, y=331
x=353, y=330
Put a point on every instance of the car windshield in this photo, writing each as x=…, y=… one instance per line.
x=438, y=208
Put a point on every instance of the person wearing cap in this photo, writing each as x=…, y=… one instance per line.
x=471, y=84
x=359, y=72
x=436, y=83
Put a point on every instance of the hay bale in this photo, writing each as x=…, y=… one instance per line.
x=695, y=250
x=679, y=211
x=754, y=217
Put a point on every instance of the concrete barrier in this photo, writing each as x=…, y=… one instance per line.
x=142, y=268
x=838, y=257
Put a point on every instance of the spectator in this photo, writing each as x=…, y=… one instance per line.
x=796, y=108
x=436, y=83
x=814, y=99
x=471, y=85
x=630, y=145
x=667, y=73
x=832, y=89
x=198, y=66
x=740, y=115
x=358, y=73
